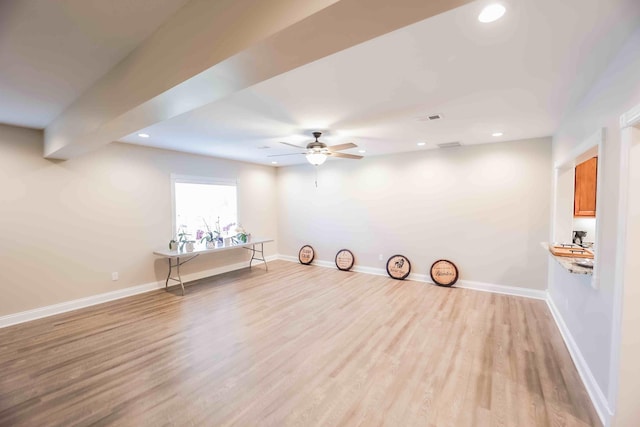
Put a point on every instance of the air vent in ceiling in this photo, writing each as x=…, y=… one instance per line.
x=429, y=117
x=449, y=144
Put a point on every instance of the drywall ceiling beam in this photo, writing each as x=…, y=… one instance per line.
x=211, y=49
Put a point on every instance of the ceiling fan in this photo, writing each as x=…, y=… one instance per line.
x=317, y=152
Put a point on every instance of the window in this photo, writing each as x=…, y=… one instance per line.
x=204, y=204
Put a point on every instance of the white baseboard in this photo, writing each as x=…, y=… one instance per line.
x=63, y=307
x=466, y=284
x=503, y=289
x=50, y=310
x=595, y=393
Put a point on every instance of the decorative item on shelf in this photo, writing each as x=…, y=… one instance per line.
x=578, y=236
x=219, y=239
x=241, y=234
x=182, y=238
x=345, y=260
x=209, y=236
x=225, y=230
x=306, y=255
x=173, y=245
x=398, y=267
x=444, y=273
x=190, y=245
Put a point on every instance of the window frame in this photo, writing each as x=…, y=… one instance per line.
x=196, y=179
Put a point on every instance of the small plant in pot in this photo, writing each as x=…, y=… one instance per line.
x=241, y=234
x=182, y=240
x=209, y=236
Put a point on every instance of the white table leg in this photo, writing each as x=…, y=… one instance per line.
x=177, y=266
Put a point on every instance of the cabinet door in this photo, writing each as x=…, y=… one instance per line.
x=584, y=200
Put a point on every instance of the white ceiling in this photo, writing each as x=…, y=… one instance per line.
x=53, y=50
x=518, y=75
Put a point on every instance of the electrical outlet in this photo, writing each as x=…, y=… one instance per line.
x=114, y=276
x=380, y=257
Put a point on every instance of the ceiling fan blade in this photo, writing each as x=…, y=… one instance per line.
x=345, y=156
x=341, y=147
x=278, y=155
x=293, y=145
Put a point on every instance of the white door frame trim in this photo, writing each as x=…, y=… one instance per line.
x=628, y=120
x=574, y=157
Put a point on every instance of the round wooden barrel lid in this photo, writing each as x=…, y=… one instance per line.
x=444, y=273
x=398, y=267
x=344, y=259
x=306, y=255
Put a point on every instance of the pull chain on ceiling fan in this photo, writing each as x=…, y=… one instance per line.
x=317, y=152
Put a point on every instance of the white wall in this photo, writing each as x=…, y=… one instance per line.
x=563, y=218
x=485, y=207
x=588, y=313
x=66, y=225
x=628, y=409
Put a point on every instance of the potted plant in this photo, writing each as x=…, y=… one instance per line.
x=228, y=240
x=227, y=227
x=182, y=238
x=209, y=236
x=241, y=234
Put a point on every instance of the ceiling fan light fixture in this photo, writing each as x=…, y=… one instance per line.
x=316, y=159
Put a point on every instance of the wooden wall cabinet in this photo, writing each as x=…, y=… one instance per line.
x=584, y=198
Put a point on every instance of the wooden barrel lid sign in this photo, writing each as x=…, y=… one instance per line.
x=344, y=259
x=306, y=255
x=398, y=267
x=444, y=273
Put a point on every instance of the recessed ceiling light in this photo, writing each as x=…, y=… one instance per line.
x=497, y=134
x=362, y=151
x=143, y=135
x=274, y=163
x=491, y=13
x=420, y=144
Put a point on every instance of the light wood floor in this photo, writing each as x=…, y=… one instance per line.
x=297, y=346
